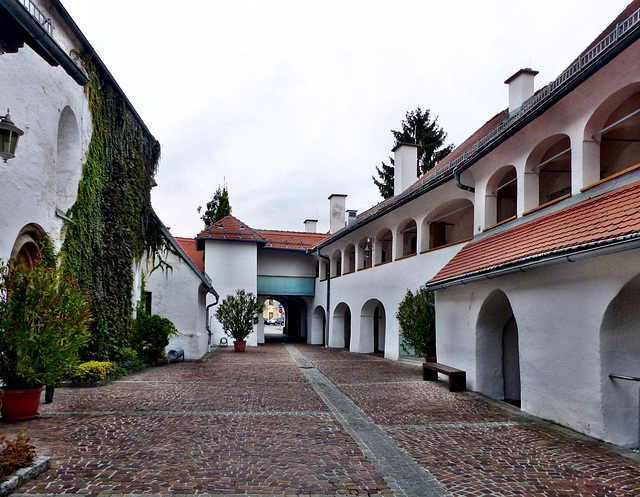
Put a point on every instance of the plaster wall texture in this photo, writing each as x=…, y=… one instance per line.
x=53, y=112
x=564, y=365
x=231, y=266
x=278, y=262
x=178, y=294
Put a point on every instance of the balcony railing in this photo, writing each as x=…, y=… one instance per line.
x=37, y=14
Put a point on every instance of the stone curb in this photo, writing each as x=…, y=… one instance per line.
x=23, y=475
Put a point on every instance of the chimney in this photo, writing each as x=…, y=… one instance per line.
x=336, y=212
x=310, y=225
x=351, y=216
x=520, y=88
x=405, y=166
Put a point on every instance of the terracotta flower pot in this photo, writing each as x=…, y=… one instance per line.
x=20, y=405
x=239, y=345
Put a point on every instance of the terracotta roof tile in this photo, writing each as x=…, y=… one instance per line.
x=596, y=221
x=188, y=246
x=230, y=228
x=292, y=239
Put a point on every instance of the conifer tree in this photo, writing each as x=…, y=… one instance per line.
x=217, y=208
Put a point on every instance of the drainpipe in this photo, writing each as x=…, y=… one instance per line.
x=459, y=184
x=208, y=325
x=328, y=275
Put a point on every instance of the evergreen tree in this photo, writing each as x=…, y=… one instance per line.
x=217, y=208
x=419, y=128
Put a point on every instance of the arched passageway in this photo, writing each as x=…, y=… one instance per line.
x=25, y=248
x=620, y=355
x=294, y=325
x=497, y=349
x=318, y=326
x=373, y=325
x=341, y=326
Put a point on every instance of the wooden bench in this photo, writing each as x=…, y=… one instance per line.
x=457, y=377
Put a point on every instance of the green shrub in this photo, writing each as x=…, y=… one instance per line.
x=95, y=371
x=417, y=324
x=15, y=454
x=126, y=354
x=152, y=335
x=238, y=313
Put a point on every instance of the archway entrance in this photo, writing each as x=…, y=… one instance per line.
x=318, y=326
x=290, y=325
x=620, y=355
x=341, y=326
x=25, y=247
x=497, y=350
x=373, y=327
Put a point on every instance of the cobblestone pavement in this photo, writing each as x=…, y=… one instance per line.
x=306, y=420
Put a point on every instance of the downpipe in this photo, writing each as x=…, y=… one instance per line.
x=327, y=275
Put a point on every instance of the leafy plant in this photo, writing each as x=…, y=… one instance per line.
x=44, y=320
x=95, y=371
x=417, y=324
x=152, y=335
x=238, y=313
x=15, y=454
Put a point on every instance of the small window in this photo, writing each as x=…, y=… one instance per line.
x=147, y=302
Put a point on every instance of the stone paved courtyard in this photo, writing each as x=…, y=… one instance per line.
x=305, y=420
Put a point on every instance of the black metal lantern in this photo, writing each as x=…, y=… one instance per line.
x=9, y=134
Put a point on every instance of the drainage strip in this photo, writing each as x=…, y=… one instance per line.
x=400, y=471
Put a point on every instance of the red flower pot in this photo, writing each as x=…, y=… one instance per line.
x=20, y=405
x=239, y=345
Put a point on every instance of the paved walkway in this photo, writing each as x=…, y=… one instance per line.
x=302, y=420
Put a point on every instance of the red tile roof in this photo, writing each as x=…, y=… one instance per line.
x=292, y=239
x=605, y=218
x=231, y=228
x=188, y=246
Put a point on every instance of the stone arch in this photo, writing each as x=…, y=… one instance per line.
x=336, y=263
x=373, y=325
x=383, y=251
x=609, y=151
x=501, y=196
x=349, y=263
x=449, y=223
x=25, y=247
x=497, y=350
x=548, y=171
x=407, y=238
x=68, y=160
x=318, y=325
x=365, y=253
x=341, y=326
x=620, y=354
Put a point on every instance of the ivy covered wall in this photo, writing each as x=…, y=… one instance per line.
x=113, y=222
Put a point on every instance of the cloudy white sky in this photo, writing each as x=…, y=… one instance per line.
x=290, y=101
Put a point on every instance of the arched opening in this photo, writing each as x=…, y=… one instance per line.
x=284, y=318
x=497, y=349
x=373, y=325
x=68, y=160
x=383, y=246
x=450, y=223
x=620, y=138
x=341, y=327
x=501, y=196
x=25, y=248
x=551, y=162
x=407, y=238
x=350, y=258
x=336, y=263
x=318, y=326
x=620, y=354
x=365, y=253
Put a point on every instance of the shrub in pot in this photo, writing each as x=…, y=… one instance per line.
x=238, y=314
x=417, y=324
x=43, y=323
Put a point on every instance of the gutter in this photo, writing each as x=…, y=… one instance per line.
x=629, y=242
x=45, y=40
x=328, y=269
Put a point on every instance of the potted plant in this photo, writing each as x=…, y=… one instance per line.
x=237, y=314
x=416, y=316
x=43, y=322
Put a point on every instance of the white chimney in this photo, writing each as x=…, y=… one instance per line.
x=337, y=204
x=520, y=88
x=405, y=166
x=351, y=216
x=310, y=225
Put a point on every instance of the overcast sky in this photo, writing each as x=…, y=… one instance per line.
x=291, y=101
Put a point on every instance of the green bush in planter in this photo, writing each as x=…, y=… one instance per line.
x=43, y=322
x=238, y=313
x=417, y=324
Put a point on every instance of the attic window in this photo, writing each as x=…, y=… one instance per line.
x=242, y=226
x=220, y=226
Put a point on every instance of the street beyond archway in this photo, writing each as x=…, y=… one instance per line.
x=293, y=419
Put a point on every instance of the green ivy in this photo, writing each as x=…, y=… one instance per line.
x=113, y=221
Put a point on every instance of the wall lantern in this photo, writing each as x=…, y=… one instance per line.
x=367, y=248
x=9, y=134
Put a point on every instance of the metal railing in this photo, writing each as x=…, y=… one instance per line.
x=37, y=14
x=624, y=377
